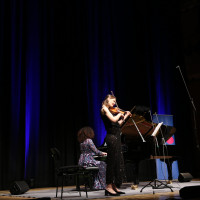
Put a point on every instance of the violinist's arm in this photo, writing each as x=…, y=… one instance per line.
x=127, y=114
x=121, y=121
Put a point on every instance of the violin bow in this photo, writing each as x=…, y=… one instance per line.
x=114, y=96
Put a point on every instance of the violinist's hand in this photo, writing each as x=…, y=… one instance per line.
x=128, y=113
x=122, y=116
x=104, y=108
x=104, y=153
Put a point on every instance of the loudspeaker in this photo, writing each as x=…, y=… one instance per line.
x=18, y=187
x=185, y=177
x=190, y=192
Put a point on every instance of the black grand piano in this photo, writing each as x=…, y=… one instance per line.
x=138, y=144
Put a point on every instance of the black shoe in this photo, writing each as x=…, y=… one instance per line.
x=107, y=193
x=120, y=192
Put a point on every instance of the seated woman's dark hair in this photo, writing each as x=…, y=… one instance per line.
x=85, y=133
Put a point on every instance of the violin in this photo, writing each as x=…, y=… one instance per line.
x=116, y=110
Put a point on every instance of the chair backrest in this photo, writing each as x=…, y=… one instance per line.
x=56, y=155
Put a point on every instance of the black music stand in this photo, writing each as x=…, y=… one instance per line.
x=156, y=184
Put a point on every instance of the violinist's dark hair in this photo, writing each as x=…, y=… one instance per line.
x=85, y=133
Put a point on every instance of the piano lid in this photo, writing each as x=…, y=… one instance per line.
x=146, y=129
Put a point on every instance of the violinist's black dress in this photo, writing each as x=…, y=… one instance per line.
x=115, y=163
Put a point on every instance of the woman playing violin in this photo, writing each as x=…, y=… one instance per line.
x=112, y=119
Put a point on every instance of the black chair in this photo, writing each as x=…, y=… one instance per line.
x=72, y=170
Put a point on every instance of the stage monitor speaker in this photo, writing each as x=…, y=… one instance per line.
x=190, y=192
x=185, y=177
x=18, y=187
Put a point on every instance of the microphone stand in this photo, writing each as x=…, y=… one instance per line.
x=194, y=109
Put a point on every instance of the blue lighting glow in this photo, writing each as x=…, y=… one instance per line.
x=32, y=95
x=32, y=112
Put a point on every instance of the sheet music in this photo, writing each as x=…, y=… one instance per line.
x=157, y=129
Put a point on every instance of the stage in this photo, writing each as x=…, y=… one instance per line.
x=71, y=193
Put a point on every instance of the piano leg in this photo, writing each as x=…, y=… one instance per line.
x=132, y=172
x=136, y=174
x=135, y=182
x=169, y=167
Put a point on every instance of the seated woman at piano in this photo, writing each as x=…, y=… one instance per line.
x=112, y=119
x=86, y=159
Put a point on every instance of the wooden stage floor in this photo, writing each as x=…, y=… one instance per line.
x=157, y=196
